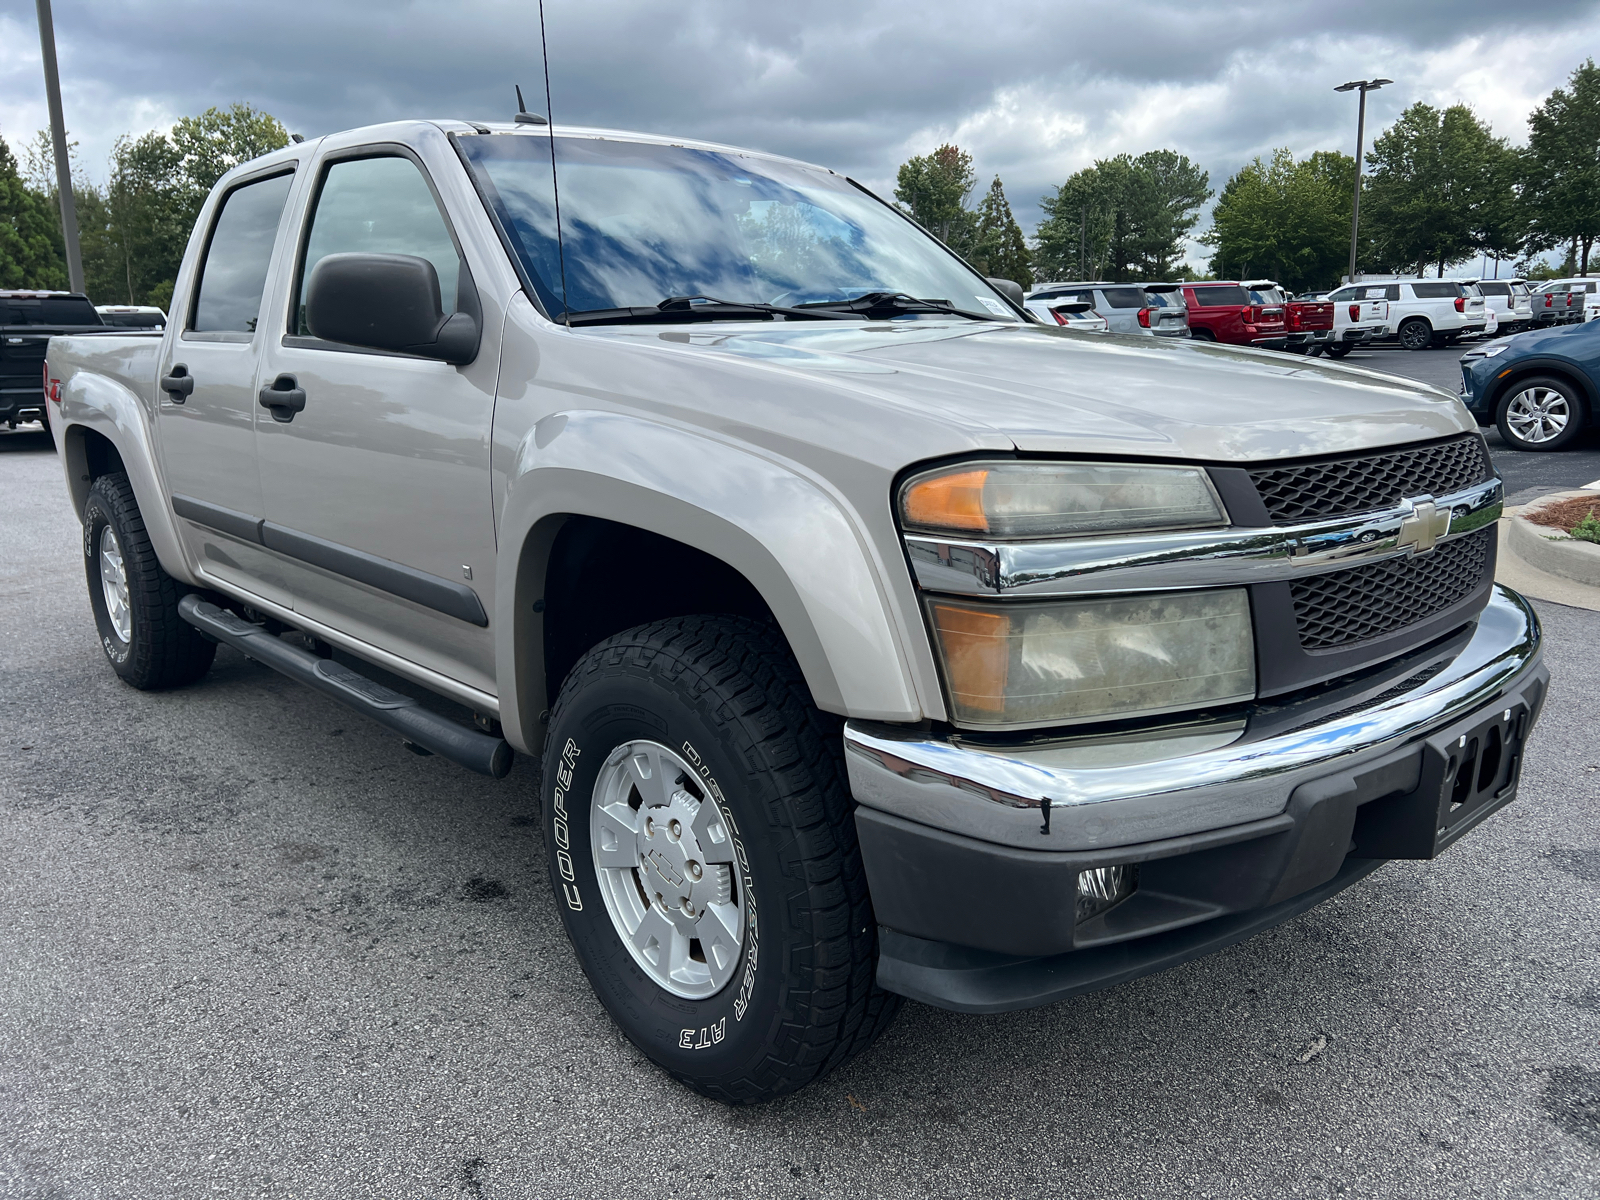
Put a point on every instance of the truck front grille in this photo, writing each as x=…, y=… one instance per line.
x=1334, y=487
x=1343, y=607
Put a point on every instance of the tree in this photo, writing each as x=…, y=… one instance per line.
x=212, y=144
x=147, y=207
x=999, y=249
x=1124, y=218
x=933, y=189
x=1443, y=189
x=30, y=255
x=1562, y=167
x=1285, y=220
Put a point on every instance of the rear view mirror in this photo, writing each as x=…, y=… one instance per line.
x=387, y=302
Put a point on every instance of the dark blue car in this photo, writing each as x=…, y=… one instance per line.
x=1542, y=388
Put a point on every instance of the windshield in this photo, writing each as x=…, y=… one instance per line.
x=641, y=223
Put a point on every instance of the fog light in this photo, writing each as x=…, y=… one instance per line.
x=1102, y=887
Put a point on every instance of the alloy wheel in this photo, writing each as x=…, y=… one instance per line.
x=664, y=858
x=114, y=583
x=1538, y=414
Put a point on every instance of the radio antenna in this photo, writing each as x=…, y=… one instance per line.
x=555, y=189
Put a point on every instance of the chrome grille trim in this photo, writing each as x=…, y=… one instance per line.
x=1200, y=558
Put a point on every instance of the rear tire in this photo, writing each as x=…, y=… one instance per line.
x=703, y=858
x=1416, y=334
x=1337, y=350
x=135, y=602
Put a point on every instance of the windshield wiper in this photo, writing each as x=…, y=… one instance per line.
x=675, y=310
x=878, y=305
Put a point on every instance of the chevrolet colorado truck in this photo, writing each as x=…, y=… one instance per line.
x=876, y=641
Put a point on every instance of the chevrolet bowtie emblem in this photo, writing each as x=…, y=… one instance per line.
x=1423, y=526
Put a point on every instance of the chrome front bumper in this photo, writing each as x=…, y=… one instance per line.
x=1095, y=792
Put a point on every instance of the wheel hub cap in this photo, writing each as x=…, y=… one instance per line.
x=114, y=583
x=1538, y=414
x=666, y=866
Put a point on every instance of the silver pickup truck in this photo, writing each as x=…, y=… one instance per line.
x=876, y=641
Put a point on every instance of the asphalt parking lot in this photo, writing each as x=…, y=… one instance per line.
x=249, y=946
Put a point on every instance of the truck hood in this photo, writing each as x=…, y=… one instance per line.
x=1060, y=390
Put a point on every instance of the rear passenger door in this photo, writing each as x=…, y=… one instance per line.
x=206, y=408
x=377, y=490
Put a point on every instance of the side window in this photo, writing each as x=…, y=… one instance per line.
x=234, y=273
x=378, y=206
x=1343, y=294
x=1392, y=292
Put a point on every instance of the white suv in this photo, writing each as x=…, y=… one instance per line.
x=1508, y=300
x=1431, y=312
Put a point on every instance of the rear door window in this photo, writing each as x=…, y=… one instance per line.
x=234, y=273
x=1214, y=297
x=1124, y=297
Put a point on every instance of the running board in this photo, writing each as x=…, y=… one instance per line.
x=420, y=727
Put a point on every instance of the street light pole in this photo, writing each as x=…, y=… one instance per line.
x=1366, y=85
x=58, y=137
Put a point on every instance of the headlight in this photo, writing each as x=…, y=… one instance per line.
x=1039, y=500
x=1014, y=666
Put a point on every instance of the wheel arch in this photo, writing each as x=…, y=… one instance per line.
x=1527, y=368
x=104, y=429
x=789, y=550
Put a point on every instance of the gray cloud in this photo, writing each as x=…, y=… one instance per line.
x=1035, y=91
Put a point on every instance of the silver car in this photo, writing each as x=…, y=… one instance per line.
x=1127, y=307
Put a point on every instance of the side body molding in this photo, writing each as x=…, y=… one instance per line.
x=796, y=545
x=94, y=401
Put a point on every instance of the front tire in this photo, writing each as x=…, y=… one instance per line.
x=1416, y=334
x=1540, y=413
x=135, y=602
x=703, y=858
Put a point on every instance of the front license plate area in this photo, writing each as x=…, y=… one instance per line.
x=1475, y=767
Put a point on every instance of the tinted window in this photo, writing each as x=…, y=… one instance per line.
x=1392, y=292
x=1519, y=289
x=1265, y=296
x=1490, y=288
x=1124, y=297
x=234, y=273
x=380, y=206
x=135, y=320
x=1208, y=296
x=1436, y=291
x=1164, y=299
x=1348, y=293
x=47, y=310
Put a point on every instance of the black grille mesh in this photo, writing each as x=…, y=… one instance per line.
x=1349, y=485
x=1366, y=602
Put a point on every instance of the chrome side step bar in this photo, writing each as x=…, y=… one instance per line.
x=420, y=727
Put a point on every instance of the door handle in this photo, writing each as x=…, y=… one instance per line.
x=283, y=398
x=178, y=385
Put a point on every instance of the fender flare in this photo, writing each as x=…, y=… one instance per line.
x=798, y=545
x=90, y=401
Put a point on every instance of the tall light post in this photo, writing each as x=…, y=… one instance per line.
x=58, y=138
x=1365, y=86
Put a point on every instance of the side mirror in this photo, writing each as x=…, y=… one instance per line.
x=1009, y=288
x=387, y=302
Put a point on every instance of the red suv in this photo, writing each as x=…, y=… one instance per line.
x=1222, y=312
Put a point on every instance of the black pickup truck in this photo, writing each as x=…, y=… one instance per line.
x=28, y=320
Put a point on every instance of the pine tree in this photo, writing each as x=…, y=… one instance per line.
x=999, y=249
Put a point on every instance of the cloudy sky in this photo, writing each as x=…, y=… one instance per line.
x=1035, y=89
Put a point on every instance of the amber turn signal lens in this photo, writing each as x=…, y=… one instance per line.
x=948, y=502
x=977, y=655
